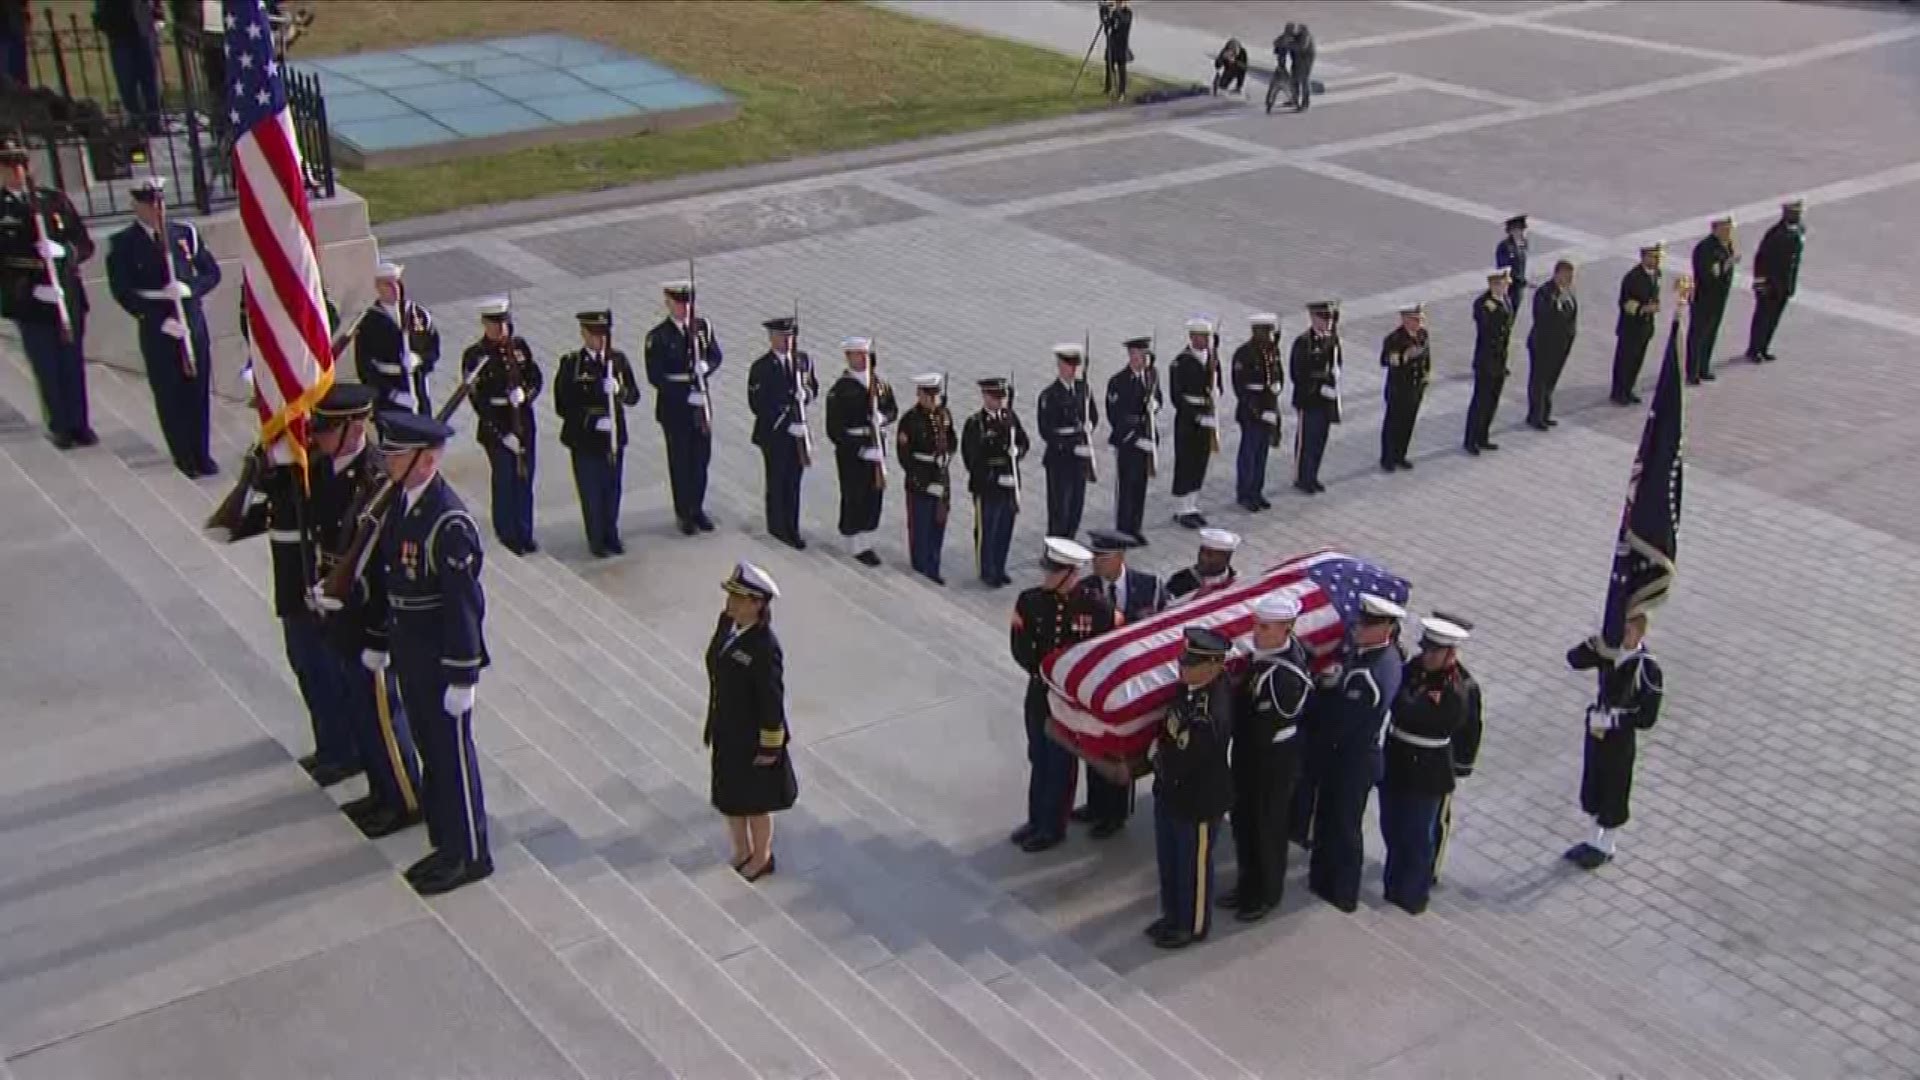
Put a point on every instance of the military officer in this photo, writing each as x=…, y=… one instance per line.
x=426, y=578
x=1433, y=736
x=1639, y=306
x=1714, y=263
x=992, y=446
x=1133, y=399
x=1133, y=595
x=1348, y=750
x=1511, y=255
x=396, y=345
x=1266, y=756
x=593, y=388
x=1193, y=380
x=504, y=391
x=1776, y=274
x=926, y=444
x=1212, y=569
x=1052, y=614
x=159, y=271
x=1627, y=702
x=780, y=386
x=746, y=729
x=1315, y=366
x=40, y=228
x=1065, y=416
x=682, y=353
x=1492, y=331
x=1257, y=382
x=1466, y=743
x=1407, y=354
x=1192, y=789
x=860, y=407
x=1556, y=321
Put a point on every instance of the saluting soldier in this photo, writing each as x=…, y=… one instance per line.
x=1266, y=756
x=1347, y=751
x=1511, y=255
x=1627, y=702
x=1492, y=333
x=860, y=407
x=1432, y=740
x=682, y=354
x=1257, y=381
x=1133, y=399
x=1556, y=321
x=1066, y=416
x=780, y=386
x=1633, y=331
x=396, y=345
x=1212, y=569
x=992, y=445
x=926, y=444
x=160, y=271
x=39, y=228
x=1192, y=789
x=753, y=776
x=1133, y=595
x=503, y=395
x=1776, y=274
x=1407, y=354
x=1052, y=614
x=1194, y=378
x=1714, y=264
x=1315, y=366
x=593, y=388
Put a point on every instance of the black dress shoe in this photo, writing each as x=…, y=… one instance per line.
x=1404, y=463
x=450, y=876
x=1039, y=842
x=1303, y=487
x=1082, y=814
x=191, y=472
x=703, y=522
x=936, y=579
x=1586, y=856
x=61, y=440
x=361, y=808
x=753, y=876
x=1156, y=928
x=1489, y=446
x=1633, y=399
x=1020, y=835
x=388, y=820
x=1472, y=448
x=329, y=775
x=598, y=552
x=1178, y=939
x=1190, y=521
x=1136, y=540
x=1106, y=830
x=530, y=546
x=1251, y=913
x=616, y=546
x=1551, y=422
x=86, y=437
x=209, y=467
x=433, y=862
x=867, y=558
x=688, y=527
x=308, y=762
x=1693, y=380
x=1708, y=376
x=1537, y=425
x=1228, y=899
x=1318, y=487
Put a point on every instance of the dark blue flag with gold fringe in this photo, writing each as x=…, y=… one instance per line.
x=1645, y=558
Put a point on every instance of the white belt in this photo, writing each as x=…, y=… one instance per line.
x=859, y=431
x=1066, y=431
x=1286, y=733
x=388, y=369
x=931, y=459
x=499, y=401
x=1424, y=742
x=286, y=536
x=680, y=378
x=1193, y=400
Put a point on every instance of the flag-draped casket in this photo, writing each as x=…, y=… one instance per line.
x=1108, y=694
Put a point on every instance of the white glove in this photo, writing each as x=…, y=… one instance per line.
x=46, y=294
x=323, y=602
x=176, y=290
x=1331, y=393
x=603, y=423
x=1083, y=451
x=700, y=368
x=458, y=701
x=1269, y=418
x=246, y=373
x=47, y=249
x=1207, y=421
x=610, y=385
x=411, y=360
x=871, y=453
x=1601, y=720
x=373, y=660
x=173, y=328
x=697, y=399
x=517, y=396
x=798, y=431
x=1008, y=481
x=512, y=444
x=937, y=490
x=404, y=399
x=1145, y=445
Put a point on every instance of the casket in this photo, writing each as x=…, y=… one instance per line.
x=1107, y=694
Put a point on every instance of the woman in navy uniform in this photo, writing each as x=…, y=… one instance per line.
x=1266, y=756
x=1192, y=789
x=1631, y=688
x=1050, y=615
x=1432, y=740
x=747, y=720
x=681, y=354
x=1133, y=398
x=396, y=345
x=1347, y=751
x=38, y=227
x=780, y=385
x=592, y=390
x=503, y=397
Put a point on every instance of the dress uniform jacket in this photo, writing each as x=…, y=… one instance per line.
x=747, y=720
x=1132, y=398
x=1408, y=358
x=1714, y=263
x=1639, y=303
x=1776, y=264
x=283, y=520
x=1257, y=382
x=21, y=268
x=670, y=360
x=1511, y=255
x=1435, y=733
x=1045, y=620
x=1627, y=702
x=1315, y=366
x=778, y=396
x=340, y=492
x=1556, y=320
x=1191, y=776
x=851, y=409
x=1492, y=333
x=1266, y=766
x=1066, y=415
x=926, y=444
x=137, y=263
x=507, y=370
x=1347, y=751
x=1191, y=382
x=1134, y=596
x=394, y=351
x=989, y=446
x=581, y=401
x=1186, y=583
x=425, y=579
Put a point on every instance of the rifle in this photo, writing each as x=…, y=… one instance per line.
x=945, y=451
x=800, y=392
x=187, y=365
x=873, y=416
x=517, y=424
x=1153, y=392
x=53, y=270
x=613, y=396
x=1270, y=360
x=694, y=349
x=1086, y=403
x=1013, y=444
x=1213, y=394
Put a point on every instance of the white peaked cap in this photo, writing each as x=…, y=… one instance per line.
x=388, y=271
x=856, y=344
x=1067, y=553
x=1380, y=607
x=1443, y=632
x=1263, y=318
x=1199, y=324
x=496, y=306
x=1068, y=348
x=1219, y=540
x=1276, y=607
x=750, y=580
x=927, y=382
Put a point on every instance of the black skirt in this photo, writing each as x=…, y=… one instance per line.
x=745, y=708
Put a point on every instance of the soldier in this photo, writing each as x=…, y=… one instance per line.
x=1266, y=756
x=1511, y=255
x=39, y=228
x=503, y=396
x=780, y=386
x=1633, y=331
x=1116, y=18
x=1776, y=274
x=752, y=760
x=1714, y=264
x=992, y=446
x=1133, y=595
x=593, y=388
x=926, y=443
x=1492, y=331
x=1627, y=703
x=1408, y=357
x=1192, y=789
x=1466, y=744
x=1211, y=571
x=425, y=577
x=161, y=283
x=1315, y=365
x=1194, y=378
x=1556, y=321
x=1348, y=751
x=1065, y=416
x=1048, y=616
x=860, y=406
x=396, y=345
x=1133, y=399
x=1257, y=382
x=682, y=353
x=1433, y=737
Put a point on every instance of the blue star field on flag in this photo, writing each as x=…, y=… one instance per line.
x=1645, y=558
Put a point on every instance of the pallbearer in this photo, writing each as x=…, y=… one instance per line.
x=1407, y=354
x=1133, y=399
x=1714, y=264
x=1133, y=595
x=780, y=386
x=592, y=391
x=1194, y=381
x=1052, y=614
x=1639, y=308
x=1212, y=569
x=396, y=345
x=1434, y=738
x=682, y=353
x=992, y=446
x=1315, y=365
x=1492, y=335
x=1192, y=789
x=1266, y=756
x=1347, y=751
x=1066, y=416
x=503, y=397
x=860, y=407
x=1776, y=274
x=926, y=443
x=43, y=241
x=1257, y=381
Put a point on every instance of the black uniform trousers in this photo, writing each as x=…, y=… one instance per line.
x=1310, y=444
x=1052, y=769
x=1543, y=376
x=1263, y=783
x=1250, y=464
x=383, y=737
x=1396, y=428
x=513, y=493
x=993, y=516
x=182, y=403
x=1107, y=802
x=59, y=371
x=599, y=480
x=1192, y=450
x=1184, y=848
x=926, y=533
x=688, y=451
x=1130, y=488
x=781, y=456
x=1768, y=305
x=1066, y=497
x=1481, y=407
x=1339, y=846
x=1606, y=777
x=1703, y=330
x=456, y=808
x=318, y=674
x=1629, y=353
x=1410, y=827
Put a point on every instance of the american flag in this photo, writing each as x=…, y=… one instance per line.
x=286, y=312
x=1644, y=557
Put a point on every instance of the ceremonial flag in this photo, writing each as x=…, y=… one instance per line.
x=1645, y=556
x=285, y=307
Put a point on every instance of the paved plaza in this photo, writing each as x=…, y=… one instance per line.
x=176, y=900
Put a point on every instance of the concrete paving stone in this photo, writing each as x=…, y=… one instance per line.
x=1333, y=21
x=1337, y=119
x=1523, y=64
x=1064, y=170
x=1746, y=26
x=454, y=273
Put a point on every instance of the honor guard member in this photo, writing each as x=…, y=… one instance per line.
x=1066, y=416
x=1133, y=595
x=1051, y=615
x=502, y=398
x=1257, y=381
x=1192, y=788
x=1133, y=400
x=1556, y=321
x=1466, y=742
x=1212, y=569
x=1315, y=366
x=1633, y=331
x=1627, y=703
x=1349, y=751
x=780, y=386
x=1266, y=756
x=426, y=576
x=926, y=443
x=1407, y=354
x=396, y=345
x=1511, y=255
x=1196, y=423
x=1434, y=734
x=1776, y=274
x=860, y=407
x=1492, y=334
x=682, y=354
x=160, y=272
x=39, y=228
x=593, y=388
x=1714, y=264
x=991, y=446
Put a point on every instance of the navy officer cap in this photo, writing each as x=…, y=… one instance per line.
x=402, y=431
x=345, y=401
x=1106, y=542
x=1517, y=221
x=995, y=385
x=1138, y=343
x=595, y=320
x=785, y=324
x=1204, y=644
